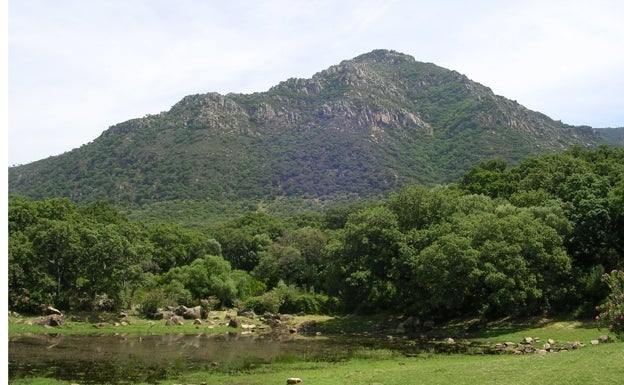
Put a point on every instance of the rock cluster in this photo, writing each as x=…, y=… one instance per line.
x=535, y=345
x=53, y=318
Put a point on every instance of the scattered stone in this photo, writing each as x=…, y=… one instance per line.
x=603, y=338
x=234, y=323
x=450, y=340
x=527, y=340
x=197, y=321
x=551, y=341
x=174, y=320
x=247, y=314
x=541, y=351
x=293, y=380
x=595, y=342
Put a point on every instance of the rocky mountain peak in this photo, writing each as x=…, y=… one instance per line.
x=359, y=128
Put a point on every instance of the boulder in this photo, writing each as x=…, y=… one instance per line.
x=50, y=311
x=234, y=323
x=293, y=380
x=189, y=312
x=158, y=315
x=56, y=320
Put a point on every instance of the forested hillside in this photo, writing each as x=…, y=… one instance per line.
x=534, y=238
x=359, y=129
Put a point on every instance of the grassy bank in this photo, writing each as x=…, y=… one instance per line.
x=589, y=364
x=603, y=364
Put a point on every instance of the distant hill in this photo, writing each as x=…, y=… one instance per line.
x=613, y=135
x=358, y=129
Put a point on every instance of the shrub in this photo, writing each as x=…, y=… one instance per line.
x=152, y=301
x=267, y=302
x=612, y=310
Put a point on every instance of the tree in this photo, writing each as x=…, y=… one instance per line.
x=174, y=245
x=491, y=178
x=368, y=259
x=205, y=277
x=417, y=207
x=242, y=239
x=444, y=277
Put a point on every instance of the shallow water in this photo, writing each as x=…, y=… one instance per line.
x=128, y=359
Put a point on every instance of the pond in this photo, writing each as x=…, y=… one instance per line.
x=128, y=359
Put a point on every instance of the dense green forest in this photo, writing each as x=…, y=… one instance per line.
x=503, y=241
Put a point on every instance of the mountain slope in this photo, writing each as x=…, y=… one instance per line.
x=614, y=135
x=360, y=128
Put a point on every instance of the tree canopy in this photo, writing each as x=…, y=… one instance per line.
x=503, y=241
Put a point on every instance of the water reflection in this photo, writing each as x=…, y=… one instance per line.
x=119, y=359
x=127, y=359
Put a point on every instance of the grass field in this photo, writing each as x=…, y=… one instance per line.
x=603, y=364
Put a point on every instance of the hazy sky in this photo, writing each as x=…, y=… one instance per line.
x=77, y=67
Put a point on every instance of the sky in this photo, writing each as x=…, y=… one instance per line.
x=77, y=67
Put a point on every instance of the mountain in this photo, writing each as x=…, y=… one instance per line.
x=614, y=135
x=361, y=128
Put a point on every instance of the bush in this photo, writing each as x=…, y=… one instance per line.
x=311, y=303
x=612, y=310
x=153, y=300
x=267, y=302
